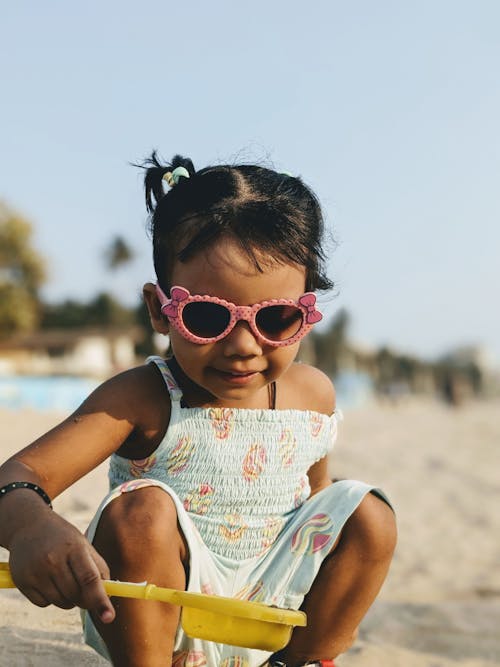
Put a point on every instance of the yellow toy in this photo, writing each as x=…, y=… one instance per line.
x=212, y=617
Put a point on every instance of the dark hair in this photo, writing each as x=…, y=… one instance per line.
x=265, y=211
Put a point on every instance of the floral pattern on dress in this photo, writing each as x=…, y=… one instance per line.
x=222, y=421
x=134, y=484
x=316, y=422
x=271, y=530
x=178, y=458
x=314, y=535
x=198, y=501
x=235, y=661
x=233, y=528
x=299, y=494
x=252, y=591
x=207, y=589
x=189, y=659
x=254, y=462
x=140, y=467
x=287, y=446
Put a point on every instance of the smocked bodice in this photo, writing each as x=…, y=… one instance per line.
x=239, y=472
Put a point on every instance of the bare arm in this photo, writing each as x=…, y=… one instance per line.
x=51, y=561
x=318, y=476
x=311, y=389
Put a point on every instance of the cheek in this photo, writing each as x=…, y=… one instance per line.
x=187, y=353
x=180, y=346
x=283, y=357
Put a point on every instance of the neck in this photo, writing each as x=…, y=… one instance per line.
x=194, y=396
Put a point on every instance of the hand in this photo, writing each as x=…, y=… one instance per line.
x=51, y=562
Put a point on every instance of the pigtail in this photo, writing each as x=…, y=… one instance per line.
x=153, y=179
x=180, y=161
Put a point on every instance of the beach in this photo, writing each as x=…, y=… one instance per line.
x=440, y=605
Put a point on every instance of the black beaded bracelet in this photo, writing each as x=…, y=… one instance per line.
x=25, y=485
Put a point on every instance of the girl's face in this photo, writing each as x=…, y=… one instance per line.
x=234, y=371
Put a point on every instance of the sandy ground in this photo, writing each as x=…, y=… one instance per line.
x=441, y=603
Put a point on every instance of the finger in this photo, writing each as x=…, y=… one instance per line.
x=66, y=584
x=102, y=566
x=92, y=594
x=49, y=595
x=45, y=590
x=35, y=596
x=67, y=595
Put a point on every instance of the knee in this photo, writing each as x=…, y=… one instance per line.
x=372, y=530
x=140, y=522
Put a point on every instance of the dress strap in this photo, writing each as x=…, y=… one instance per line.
x=173, y=388
x=271, y=390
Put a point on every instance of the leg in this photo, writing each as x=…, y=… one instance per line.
x=346, y=586
x=139, y=538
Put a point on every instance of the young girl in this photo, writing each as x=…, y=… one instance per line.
x=218, y=469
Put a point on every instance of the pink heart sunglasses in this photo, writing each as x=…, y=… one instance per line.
x=205, y=319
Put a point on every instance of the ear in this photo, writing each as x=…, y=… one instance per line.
x=158, y=321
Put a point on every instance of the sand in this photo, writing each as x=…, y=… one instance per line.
x=440, y=605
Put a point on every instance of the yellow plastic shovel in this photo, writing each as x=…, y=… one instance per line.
x=212, y=617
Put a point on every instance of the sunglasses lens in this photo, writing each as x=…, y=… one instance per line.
x=279, y=322
x=204, y=319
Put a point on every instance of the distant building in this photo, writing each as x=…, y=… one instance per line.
x=94, y=351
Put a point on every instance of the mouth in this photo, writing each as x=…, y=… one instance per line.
x=237, y=377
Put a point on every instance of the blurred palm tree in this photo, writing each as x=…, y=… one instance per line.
x=118, y=253
x=22, y=273
x=330, y=345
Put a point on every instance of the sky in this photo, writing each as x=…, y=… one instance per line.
x=389, y=110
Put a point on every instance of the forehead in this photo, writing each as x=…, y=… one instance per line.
x=227, y=271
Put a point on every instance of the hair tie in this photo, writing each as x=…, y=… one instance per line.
x=172, y=177
x=286, y=173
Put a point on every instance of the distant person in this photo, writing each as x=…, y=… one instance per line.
x=218, y=468
x=449, y=389
x=456, y=388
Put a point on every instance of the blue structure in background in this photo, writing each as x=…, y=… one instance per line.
x=63, y=393
x=353, y=389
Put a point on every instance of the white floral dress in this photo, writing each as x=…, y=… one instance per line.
x=238, y=478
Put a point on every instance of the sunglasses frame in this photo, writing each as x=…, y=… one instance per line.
x=180, y=297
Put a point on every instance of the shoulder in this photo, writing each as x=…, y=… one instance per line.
x=305, y=387
x=133, y=395
x=138, y=380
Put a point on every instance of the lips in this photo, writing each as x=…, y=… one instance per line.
x=237, y=377
x=237, y=373
x=240, y=374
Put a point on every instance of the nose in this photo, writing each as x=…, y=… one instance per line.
x=241, y=341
